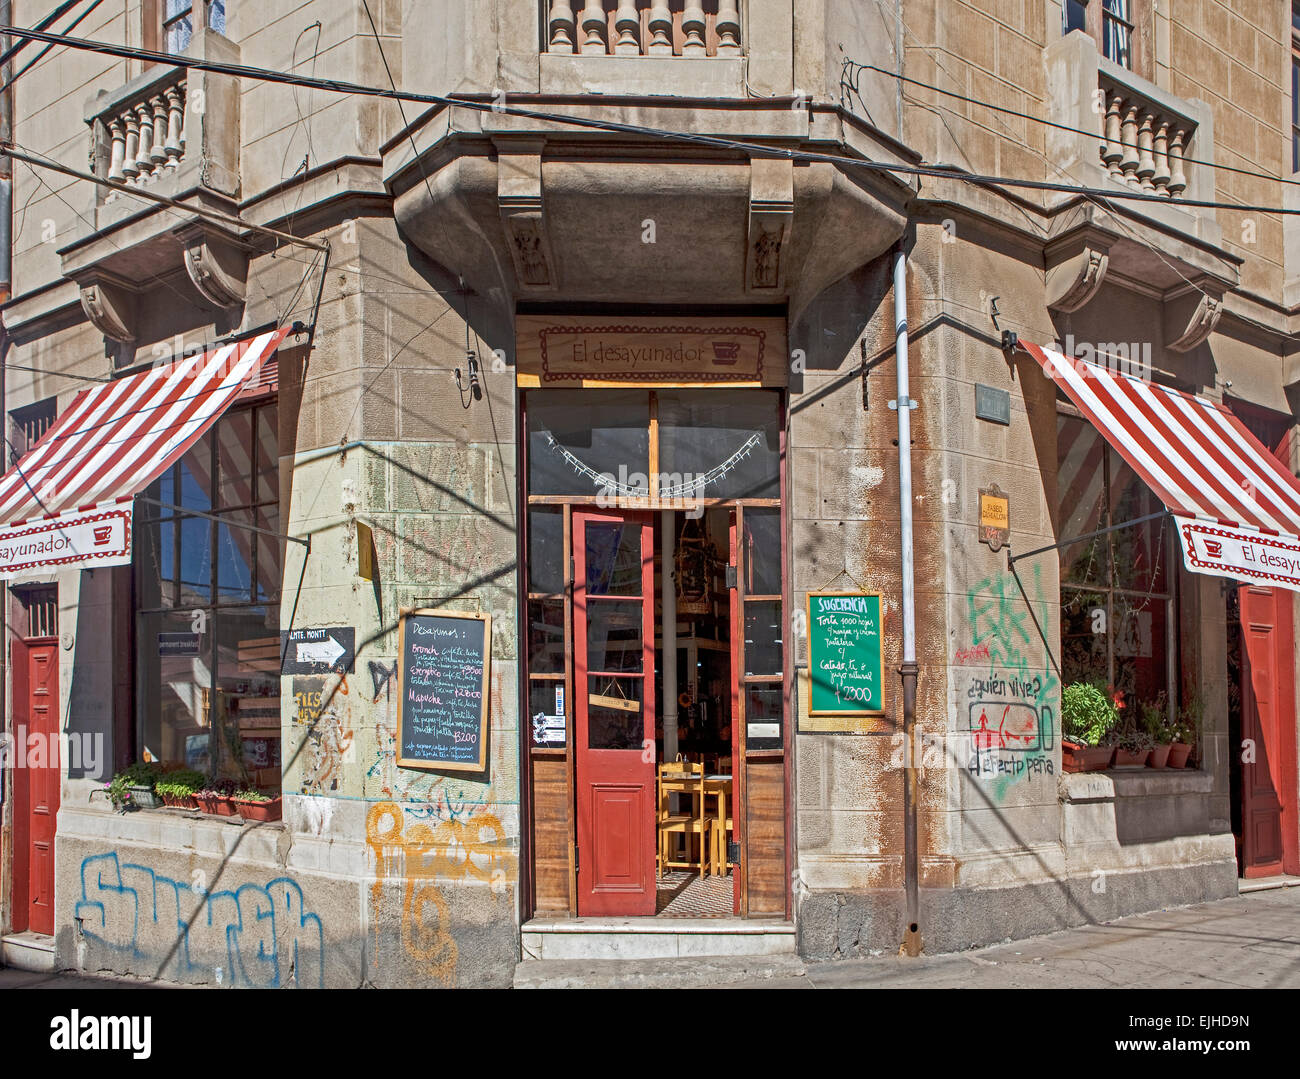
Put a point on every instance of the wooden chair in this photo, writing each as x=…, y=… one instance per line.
x=722, y=829
x=683, y=777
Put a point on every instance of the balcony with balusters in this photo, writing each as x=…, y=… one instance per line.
x=173, y=133
x=603, y=45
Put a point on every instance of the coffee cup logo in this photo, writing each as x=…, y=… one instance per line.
x=1214, y=548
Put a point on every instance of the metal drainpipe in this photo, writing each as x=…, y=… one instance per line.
x=909, y=669
x=6, y=290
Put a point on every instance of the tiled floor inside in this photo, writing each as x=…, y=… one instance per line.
x=683, y=893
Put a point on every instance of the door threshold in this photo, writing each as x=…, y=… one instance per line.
x=655, y=938
x=1264, y=884
x=28, y=951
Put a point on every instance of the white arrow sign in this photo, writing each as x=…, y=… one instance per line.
x=327, y=651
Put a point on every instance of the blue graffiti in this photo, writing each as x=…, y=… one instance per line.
x=266, y=933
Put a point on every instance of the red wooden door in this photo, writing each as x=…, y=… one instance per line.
x=1268, y=751
x=36, y=781
x=736, y=601
x=614, y=732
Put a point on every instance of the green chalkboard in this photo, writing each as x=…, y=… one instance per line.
x=845, y=661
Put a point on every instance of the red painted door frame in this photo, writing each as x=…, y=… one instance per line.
x=35, y=666
x=1270, y=841
x=615, y=786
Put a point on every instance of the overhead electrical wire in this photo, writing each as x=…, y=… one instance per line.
x=496, y=106
x=37, y=58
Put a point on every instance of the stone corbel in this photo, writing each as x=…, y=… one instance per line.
x=216, y=265
x=1076, y=268
x=519, y=200
x=1191, y=316
x=771, y=215
x=110, y=304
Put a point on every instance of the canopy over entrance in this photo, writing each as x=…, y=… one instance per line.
x=67, y=502
x=1236, y=507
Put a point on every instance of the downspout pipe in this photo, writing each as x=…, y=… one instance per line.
x=909, y=670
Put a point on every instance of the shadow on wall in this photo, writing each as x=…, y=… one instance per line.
x=88, y=710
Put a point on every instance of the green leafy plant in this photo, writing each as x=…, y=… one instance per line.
x=249, y=795
x=1087, y=713
x=140, y=774
x=1190, y=717
x=180, y=784
x=1155, y=720
x=212, y=787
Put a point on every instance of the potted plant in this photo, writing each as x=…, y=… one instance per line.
x=215, y=797
x=177, y=788
x=1155, y=721
x=253, y=805
x=1187, y=730
x=1132, y=746
x=133, y=787
x=1087, y=716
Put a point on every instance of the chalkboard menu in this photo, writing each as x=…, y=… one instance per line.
x=442, y=678
x=845, y=663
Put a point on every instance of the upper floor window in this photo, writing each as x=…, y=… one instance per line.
x=174, y=21
x=27, y=426
x=1112, y=23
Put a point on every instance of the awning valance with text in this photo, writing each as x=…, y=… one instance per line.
x=1236, y=506
x=67, y=503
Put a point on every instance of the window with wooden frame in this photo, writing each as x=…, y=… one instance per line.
x=169, y=25
x=1121, y=29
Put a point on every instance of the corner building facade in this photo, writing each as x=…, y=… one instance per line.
x=633, y=398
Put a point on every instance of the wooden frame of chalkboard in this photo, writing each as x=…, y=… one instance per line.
x=880, y=658
x=480, y=760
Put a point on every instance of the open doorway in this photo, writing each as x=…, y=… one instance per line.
x=655, y=661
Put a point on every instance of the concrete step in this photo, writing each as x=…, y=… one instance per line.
x=591, y=939
x=1264, y=884
x=689, y=973
x=28, y=951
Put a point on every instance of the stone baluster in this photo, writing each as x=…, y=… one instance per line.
x=627, y=23
x=1112, y=151
x=158, y=152
x=117, y=151
x=661, y=29
x=593, y=29
x=1177, y=179
x=1146, y=161
x=728, y=26
x=175, y=111
x=130, y=170
x=144, y=166
x=693, y=26
x=563, y=30
x=1160, y=148
x=1129, y=132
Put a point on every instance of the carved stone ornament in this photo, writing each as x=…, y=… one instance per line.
x=1075, y=279
x=1204, y=318
x=519, y=202
x=217, y=266
x=110, y=306
x=771, y=215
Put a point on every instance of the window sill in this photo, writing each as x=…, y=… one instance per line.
x=1077, y=787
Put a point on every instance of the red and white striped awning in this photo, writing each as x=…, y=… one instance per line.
x=1237, y=507
x=67, y=502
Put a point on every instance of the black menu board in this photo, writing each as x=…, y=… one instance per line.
x=442, y=678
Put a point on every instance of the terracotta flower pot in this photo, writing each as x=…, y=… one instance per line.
x=1097, y=758
x=259, y=811
x=1072, y=756
x=1178, y=754
x=1130, y=758
x=223, y=807
x=1159, y=757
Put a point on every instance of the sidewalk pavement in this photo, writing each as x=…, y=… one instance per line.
x=1251, y=941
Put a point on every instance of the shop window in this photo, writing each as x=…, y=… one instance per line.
x=208, y=604
x=1118, y=621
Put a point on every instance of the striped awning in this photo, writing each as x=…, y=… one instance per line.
x=1236, y=506
x=67, y=502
